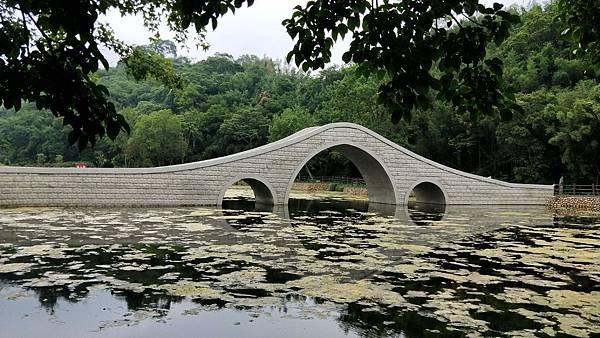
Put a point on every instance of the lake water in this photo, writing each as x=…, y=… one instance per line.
x=319, y=268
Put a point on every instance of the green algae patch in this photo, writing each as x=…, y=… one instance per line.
x=15, y=267
x=196, y=227
x=333, y=290
x=191, y=289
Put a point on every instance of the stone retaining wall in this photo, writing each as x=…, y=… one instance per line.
x=575, y=203
x=311, y=186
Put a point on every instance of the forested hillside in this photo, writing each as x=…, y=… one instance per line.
x=229, y=105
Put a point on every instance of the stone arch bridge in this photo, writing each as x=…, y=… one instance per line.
x=390, y=171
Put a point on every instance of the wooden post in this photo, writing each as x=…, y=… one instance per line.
x=574, y=189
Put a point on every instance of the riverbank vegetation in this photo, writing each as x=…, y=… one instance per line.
x=231, y=104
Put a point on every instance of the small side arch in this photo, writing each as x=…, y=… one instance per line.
x=380, y=185
x=264, y=193
x=427, y=191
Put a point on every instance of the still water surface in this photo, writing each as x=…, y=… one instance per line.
x=316, y=269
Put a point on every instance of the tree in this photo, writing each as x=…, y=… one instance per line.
x=581, y=18
x=420, y=48
x=536, y=55
x=231, y=104
x=579, y=136
x=290, y=121
x=524, y=151
x=58, y=160
x=157, y=139
x=43, y=43
x=40, y=159
x=28, y=133
x=242, y=130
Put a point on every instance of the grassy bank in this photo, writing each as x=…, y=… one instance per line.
x=341, y=187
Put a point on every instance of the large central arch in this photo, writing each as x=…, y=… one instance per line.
x=380, y=186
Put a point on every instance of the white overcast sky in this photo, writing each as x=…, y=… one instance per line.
x=255, y=30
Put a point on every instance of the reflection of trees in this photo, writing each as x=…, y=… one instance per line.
x=49, y=296
x=147, y=300
x=75, y=287
x=213, y=302
x=373, y=321
x=575, y=221
x=303, y=207
x=246, y=204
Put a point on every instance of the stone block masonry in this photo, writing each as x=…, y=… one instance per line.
x=391, y=172
x=565, y=204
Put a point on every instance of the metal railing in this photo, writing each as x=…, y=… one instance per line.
x=336, y=179
x=577, y=189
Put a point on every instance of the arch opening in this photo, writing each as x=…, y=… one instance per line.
x=243, y=192
x=379, y=186
x=428, y=193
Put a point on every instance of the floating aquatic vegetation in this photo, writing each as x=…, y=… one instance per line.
x=192, y=289
x=466, y=272
x=330, y=288
x=15, y=267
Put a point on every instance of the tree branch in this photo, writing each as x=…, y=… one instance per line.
x=26, y=29
x=455, y=20
x=475, y=22
x=50, y=41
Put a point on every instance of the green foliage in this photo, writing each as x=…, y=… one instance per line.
x=405, y=41
x=156, y=139
x=43, y=43
x=144, y=63
x=578, y=134
x=536, y=55
x=226, y=105
x=581, y=18
x=25, y=134
x=421, y=50
x=234, y=138
x=59, y=160
x=290, y=121
x=40, y=159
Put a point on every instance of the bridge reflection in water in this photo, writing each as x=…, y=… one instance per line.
x=425, y=217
